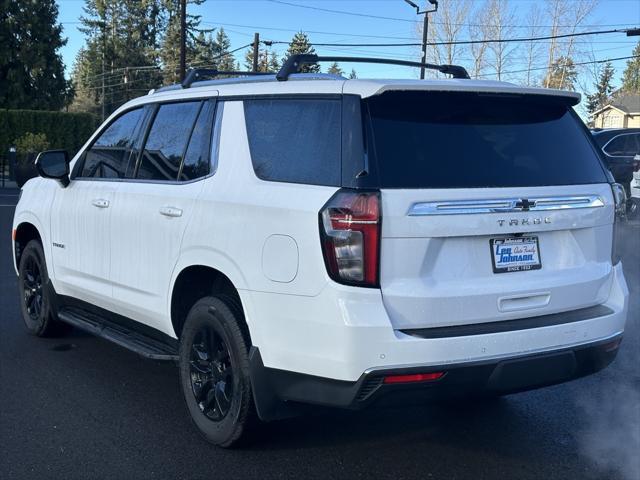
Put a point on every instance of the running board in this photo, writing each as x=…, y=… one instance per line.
x=129, y=339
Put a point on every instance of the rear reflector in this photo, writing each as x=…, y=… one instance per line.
x=611, y=346
x=416, y=377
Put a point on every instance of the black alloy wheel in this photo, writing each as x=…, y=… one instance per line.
x=212, y=376
x=214, y=371
x=32, y=288
x=37, y=297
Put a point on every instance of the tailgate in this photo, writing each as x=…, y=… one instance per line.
x=436, y=257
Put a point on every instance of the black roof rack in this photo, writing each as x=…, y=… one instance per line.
x=294, y=62
x=197, y=74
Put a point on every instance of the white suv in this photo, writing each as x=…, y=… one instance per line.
x=330, y=241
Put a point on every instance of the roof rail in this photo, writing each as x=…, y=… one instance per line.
x=196, y=74
x=295, y=62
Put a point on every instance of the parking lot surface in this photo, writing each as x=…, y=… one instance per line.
x=79, y=407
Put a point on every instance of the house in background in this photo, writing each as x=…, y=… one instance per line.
x=621, y=112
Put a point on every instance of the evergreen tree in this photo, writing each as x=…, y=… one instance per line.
x=300, y=44
x=204, y=52
x=31, y=68
x=274, y=64
x=631, y=74
x=123, y=40
x=223, y=59
x=604, y=88
x=353, y=75
x=562, y=74
x=267, y=60
x=335, y=69
x=170, y=50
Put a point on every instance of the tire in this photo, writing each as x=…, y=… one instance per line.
x=214, y=372
x=37, y=298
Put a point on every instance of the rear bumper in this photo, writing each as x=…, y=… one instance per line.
x=276, y=392
x=346, y=331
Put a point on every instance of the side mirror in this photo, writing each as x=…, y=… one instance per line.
x=54, y=164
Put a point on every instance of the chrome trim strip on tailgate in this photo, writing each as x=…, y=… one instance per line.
x=533, y=204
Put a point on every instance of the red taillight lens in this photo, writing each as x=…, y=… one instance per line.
x=350, y=235
x=413, y=378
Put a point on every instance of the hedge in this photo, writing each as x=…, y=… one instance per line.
x=68, y=131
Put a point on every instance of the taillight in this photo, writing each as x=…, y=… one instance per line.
x=350, y=235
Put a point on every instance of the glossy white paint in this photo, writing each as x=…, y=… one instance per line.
x=81, y=220
x=436, y=270
x=280, y=258
x=344, y=331
x=145, y=246
x=264, y=237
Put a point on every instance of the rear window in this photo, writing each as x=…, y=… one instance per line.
x=470, y=140
x=295, y=140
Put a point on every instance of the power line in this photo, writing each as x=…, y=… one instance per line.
x=113, y=73
x=381, y=17
x=464, y=42
x=317, y=32
x=592, y=62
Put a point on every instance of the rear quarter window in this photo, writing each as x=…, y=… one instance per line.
x=624, y=145
x=470, y=140
x=295, y=140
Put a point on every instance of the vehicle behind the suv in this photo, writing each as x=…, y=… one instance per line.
x=620, y=151
x=334, y=242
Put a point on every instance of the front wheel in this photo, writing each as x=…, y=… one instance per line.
x=36, y=297
x=214, y=371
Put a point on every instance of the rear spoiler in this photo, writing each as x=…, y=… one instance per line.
x=371, y=88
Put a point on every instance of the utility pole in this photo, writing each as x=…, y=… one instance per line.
x=256, y=50
x=425, y=28
x=183, y=38
x=104, y=46
x=126, y=83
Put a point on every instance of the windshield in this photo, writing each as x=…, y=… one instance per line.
x=471, y=140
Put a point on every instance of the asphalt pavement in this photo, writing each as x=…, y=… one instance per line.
x=80, y=407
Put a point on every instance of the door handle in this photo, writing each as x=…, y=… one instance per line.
x=100, y=203
x=171, y=211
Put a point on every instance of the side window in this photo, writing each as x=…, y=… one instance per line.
x=168, y=137
x=196, y=159
x=110, y=154
x=623, y=145
x=295, y=140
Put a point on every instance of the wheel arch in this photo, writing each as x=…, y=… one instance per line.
x=195, y=281
x=24, y=232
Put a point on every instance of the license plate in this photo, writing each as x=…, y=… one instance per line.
x=515, y=254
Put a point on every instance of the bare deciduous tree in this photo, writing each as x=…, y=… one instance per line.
x=533, y=49
x=478, y=31
x=576, y=17
x=501, y=26
x=556, y=11
x=566, y=17
x=448, y=25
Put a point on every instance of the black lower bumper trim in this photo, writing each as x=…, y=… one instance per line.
x=277, y=393
x=511, y=325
